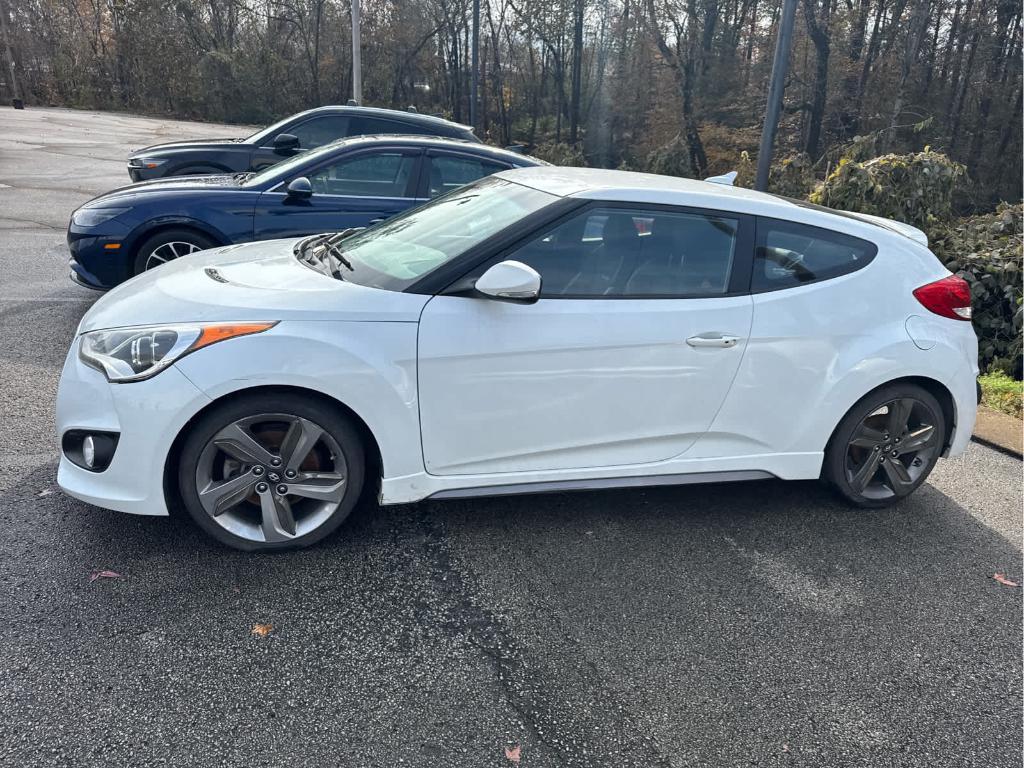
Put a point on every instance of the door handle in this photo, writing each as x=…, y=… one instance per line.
x=718, y=340
x=377, y=220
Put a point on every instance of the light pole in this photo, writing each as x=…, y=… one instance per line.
x=357, y=58
x=474, y=82
x=780, y=63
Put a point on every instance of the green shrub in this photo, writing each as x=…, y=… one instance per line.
x=559, y=153
x=1001, y=392
x=916, y=189
x=672, y=159
x=986, y=251
x=792, y=177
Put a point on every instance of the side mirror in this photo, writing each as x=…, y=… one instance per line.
x=510, y=281
x=285, y=143
x=300, y=188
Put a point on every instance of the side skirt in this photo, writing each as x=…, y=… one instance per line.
x=552, y=486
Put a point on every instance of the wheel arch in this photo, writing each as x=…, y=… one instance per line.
x=157, y=226
x=198, y=167
x=935, y=388
x=374, y=462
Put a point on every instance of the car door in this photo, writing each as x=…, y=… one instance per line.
x=446, y=170
x=625, y=359
x=311, y=133
x=355, y=190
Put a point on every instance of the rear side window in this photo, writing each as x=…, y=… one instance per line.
x=448, y=172
x=370, y=126
x=790, y=254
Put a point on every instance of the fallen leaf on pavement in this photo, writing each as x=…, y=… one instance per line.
x=1004, y=581
x=104, y=575
x=262, y=630
x=512, y=753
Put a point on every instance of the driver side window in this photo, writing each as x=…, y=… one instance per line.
x=384, y=174
x=634, y=253
x=320, y=130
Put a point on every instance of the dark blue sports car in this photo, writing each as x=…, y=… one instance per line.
x=350, y=183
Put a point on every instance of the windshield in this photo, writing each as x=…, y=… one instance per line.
x=396, y=253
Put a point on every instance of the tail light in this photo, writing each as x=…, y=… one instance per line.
x=949, y=297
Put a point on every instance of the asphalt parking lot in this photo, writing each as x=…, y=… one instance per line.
x=754, y=624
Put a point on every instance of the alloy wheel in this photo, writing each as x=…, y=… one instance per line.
x=271, y=477
x=168, y=251
x=892, y=448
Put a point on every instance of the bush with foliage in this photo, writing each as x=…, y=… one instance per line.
x=671, y=159
x=792, y=177
x=986, y=251
x=915, y=188
x=559, y=153
x=1001, y=392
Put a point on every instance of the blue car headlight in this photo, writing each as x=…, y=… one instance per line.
x=91, y=217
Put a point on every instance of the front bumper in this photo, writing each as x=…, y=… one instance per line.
x=94, y=266
x=137, y=173
x=146, y=415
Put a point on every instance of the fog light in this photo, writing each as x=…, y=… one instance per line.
x=89, y=452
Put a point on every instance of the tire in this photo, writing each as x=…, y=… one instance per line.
x=233, y=489
x=886, y=446
x=168, y=245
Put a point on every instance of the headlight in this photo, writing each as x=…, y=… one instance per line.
x=133, y=354
x=90, y=217
x=146, y=162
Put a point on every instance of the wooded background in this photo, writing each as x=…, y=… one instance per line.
x=675, y=86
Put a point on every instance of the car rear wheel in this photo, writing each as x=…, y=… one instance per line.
x=271, y=472
x=169, y=245
x=886, y=446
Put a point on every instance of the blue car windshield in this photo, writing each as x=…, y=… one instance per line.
x=396, y=253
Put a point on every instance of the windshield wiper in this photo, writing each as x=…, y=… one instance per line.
x=243, y=176
x=322, y=252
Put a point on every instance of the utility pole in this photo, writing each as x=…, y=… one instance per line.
x=357, y=56
x=780, y=63
x=474, y=82
x=16, y=101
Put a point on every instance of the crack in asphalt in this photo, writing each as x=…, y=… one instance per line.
x=548, y=717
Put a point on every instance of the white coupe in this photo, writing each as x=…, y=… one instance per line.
x=543, y=329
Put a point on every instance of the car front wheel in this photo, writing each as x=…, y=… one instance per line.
x=886, y=446
x=169, y=245
x=271, y=472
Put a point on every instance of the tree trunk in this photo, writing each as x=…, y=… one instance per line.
x=820, y=36
x=577, y=71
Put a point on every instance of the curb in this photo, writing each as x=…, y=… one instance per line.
x=1005, y=450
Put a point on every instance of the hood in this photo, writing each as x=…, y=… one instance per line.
x=898, y=227
x=169, y=146
x=173, y=184
x=253, y=282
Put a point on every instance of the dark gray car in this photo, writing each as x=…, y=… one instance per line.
x=298, y=133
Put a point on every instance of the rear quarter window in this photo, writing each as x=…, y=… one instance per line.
x=789, y=255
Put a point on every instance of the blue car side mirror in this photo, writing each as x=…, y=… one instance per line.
x=300, y=188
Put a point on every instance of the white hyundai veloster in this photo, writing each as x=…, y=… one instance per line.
x=542, y=329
